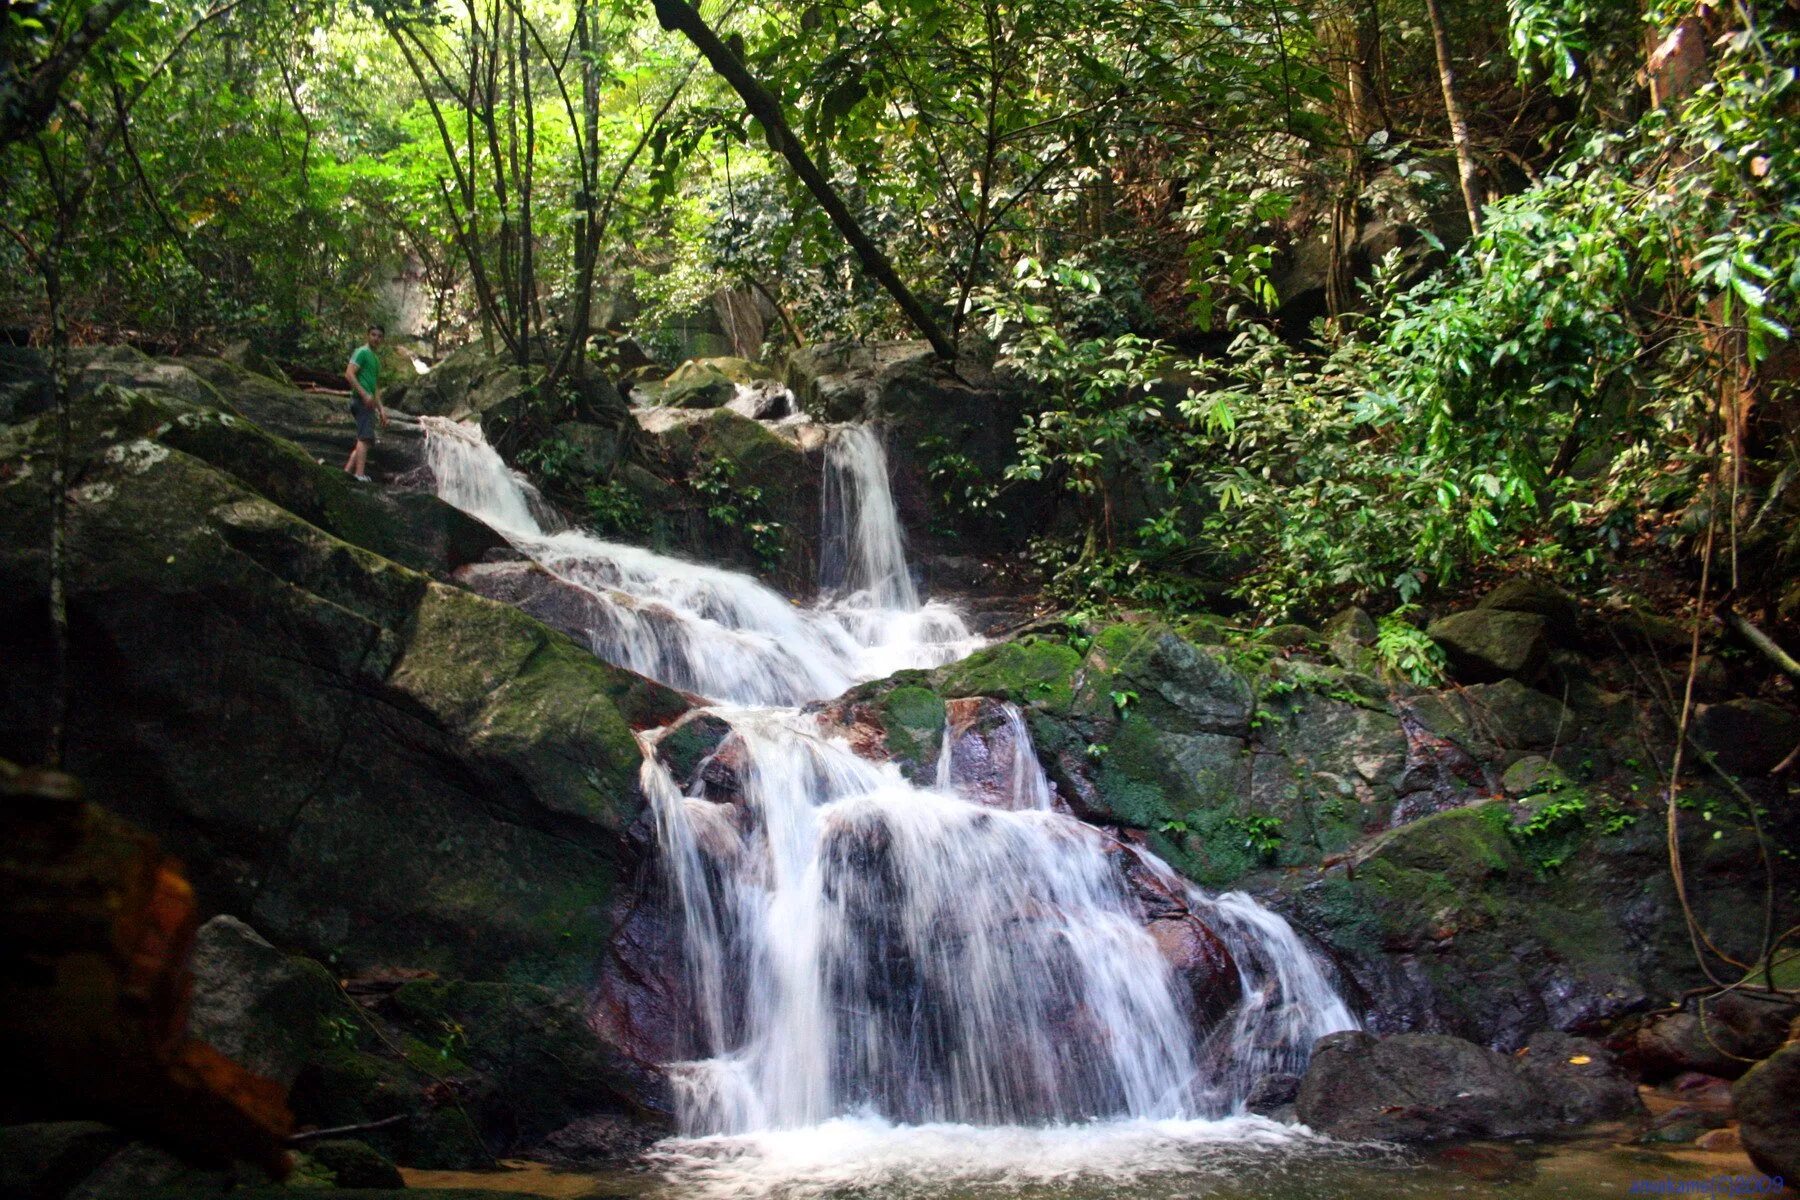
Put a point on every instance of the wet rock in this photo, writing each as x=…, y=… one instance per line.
x=1202, y=963
x=1747, y=736
x=1488, y=644
x=1584, y=1078
x=1767, y=1100
x=1427, y=1087
x=1680, y=1126
x=1273, y=1096
x=991, y=758
x=596, y=1142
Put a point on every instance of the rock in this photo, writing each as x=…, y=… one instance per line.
x=1487, y=644
x=595, y=449
x=772, y=486
x=991, y=758
x=1735, y=1031
x=1530, y=594
x=354, y=1164
x=1680, y=1125
x=1584, y=1078
x=1497, y=721
x=896, y=719
x=1512, y=716
x=595, y=1141
x=257, y=1005
x=762, y=400
x=1426, y=1088
x=1350, y=637
x=45, y=1161
x=241, y=354
x=1767, y=1100
x=1202, y=963
x=1290, y=637
x=1747, y=736
x=1531, y=774
x=1443, y=924
x=519, y=1061
x=696, y=385
x=360, y=761
x=928, y=410
x=1720, y=1141
x=1273, y=1095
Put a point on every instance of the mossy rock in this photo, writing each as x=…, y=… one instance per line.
x=1488, y=644
x=1032, y=673
x=367, y=764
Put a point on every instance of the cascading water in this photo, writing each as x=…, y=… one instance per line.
x=863, y=949
x=716, y=633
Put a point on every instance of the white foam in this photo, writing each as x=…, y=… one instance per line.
x=854, y=1154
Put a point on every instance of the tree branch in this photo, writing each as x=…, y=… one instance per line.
x=678, y=15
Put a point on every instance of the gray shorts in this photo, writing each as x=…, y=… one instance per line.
x=365, y=420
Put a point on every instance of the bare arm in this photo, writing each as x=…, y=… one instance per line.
x=355, y=386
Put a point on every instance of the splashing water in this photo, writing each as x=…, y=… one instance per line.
x=954, y=981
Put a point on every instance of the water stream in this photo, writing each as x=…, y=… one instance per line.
x=935, y=975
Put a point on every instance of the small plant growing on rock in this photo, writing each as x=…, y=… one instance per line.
x=1405, y=649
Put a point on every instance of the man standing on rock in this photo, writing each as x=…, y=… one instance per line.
x=364, y=376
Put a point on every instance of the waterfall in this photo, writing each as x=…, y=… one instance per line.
x=862, y=553
x=716, y=633
x=859, y=947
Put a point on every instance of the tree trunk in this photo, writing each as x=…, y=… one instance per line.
x=1459, y=127
x=761, y=104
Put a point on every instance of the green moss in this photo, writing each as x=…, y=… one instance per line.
x=914, y=719
x=1347, y=918
x=1031, y=671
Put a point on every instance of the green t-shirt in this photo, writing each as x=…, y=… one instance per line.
x=368, y=368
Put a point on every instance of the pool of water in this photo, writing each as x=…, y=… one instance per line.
x=1239, y=1159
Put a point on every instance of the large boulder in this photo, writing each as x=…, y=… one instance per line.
x=1488, y=644
x=726, y=489
x=1453, y=924
x=1428, y=1088
x=369, y=765
x=263, y=1008
x=1767, y=1102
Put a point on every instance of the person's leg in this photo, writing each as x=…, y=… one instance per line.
x=350, y=462
x=361, y=454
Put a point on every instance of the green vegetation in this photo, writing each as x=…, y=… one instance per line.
x=1284, y=345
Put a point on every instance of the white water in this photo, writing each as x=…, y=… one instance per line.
x=954, y=985
x=717, y=633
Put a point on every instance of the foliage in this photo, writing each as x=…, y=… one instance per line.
x=739, y=506
x=1404, y=648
